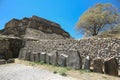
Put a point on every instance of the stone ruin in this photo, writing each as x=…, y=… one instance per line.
x=34, y=27
x=10, y=47
x=39, y=40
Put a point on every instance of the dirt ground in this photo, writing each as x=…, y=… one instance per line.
x=22, y=72
x=76, y=74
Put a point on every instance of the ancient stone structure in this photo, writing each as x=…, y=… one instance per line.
x=34, y=27
x=39, y=40
x=10, y=47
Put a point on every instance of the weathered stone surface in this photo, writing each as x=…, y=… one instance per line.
x=87, y=63
x=8, y=54
x=10, y=60
x=62, y=60
x=5, y=54
x=37, y=56
x=111, y=67
x=54, y=58
x=43, y=57
x=20, y=54
x=32, y=56
x=98, y=65
x=27, y=57
x=74, y=60
x=2, y=61
x=48, y=58
x=23, y=53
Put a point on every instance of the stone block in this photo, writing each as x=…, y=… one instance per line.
x=32, y=56
x=11, y=61
x=62, y=60
x=98, y=65
x=48, y=58
x=22, y=53
x=37, y=56
x=87, y=63
x=111, y=67
x=27, y=57
x=74, y=60
x=2, y=61
x=54, y=58
x=43, y=57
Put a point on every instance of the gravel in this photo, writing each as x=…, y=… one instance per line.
x=22, y=72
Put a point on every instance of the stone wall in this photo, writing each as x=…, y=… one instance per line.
x=104, y=48
x=4, y=43
x=38, y=34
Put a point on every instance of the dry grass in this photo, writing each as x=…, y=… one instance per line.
x=78, y=74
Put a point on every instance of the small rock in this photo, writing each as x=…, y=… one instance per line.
x=2, y=61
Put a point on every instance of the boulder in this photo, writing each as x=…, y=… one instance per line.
x=10, y=60
x=43, y=57
x=111, y=67
x=98, y=65
x=74, y=60
x=87, y=63
x=62, y=60
x=2, y=61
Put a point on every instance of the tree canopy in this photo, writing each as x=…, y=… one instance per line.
x=96, y=18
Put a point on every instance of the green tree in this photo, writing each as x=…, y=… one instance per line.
x=96, y=18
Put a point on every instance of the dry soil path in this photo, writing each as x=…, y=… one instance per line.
x=22, y=72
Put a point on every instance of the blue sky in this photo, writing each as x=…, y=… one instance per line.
x=64, y=12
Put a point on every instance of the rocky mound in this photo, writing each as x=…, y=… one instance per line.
x=34, y=27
